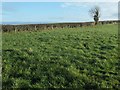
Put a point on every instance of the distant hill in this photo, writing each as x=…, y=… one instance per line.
x=21, y=23
x=18, y=23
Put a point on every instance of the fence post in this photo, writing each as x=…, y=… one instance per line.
x=35, y=28
x=15, y=29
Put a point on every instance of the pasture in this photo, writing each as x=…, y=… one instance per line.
x=83, y=58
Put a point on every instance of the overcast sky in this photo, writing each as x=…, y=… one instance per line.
x=56, y=11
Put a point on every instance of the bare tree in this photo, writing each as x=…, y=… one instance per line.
x=95, y=13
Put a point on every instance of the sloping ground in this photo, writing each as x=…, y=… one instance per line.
x=65, y=58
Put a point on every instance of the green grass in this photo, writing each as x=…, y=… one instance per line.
x=62, y=58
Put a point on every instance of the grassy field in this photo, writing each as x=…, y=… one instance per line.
x=62, y=58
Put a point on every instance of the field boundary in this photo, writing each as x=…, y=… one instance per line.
x=35, y=27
